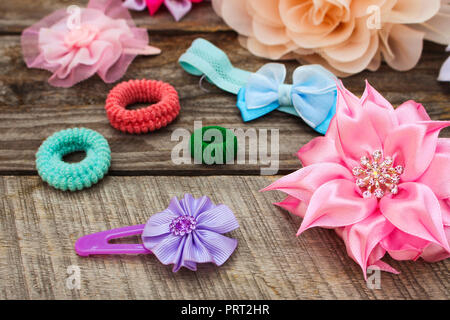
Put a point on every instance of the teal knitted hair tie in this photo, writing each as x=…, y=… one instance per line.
x=73, y=176
x=216, y=147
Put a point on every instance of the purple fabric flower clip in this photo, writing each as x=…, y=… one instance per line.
x=188, y=232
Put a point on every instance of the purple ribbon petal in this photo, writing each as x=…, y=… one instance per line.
x=167, y=251
x=194, y=206
x=178, y=8
x=219, y=246
x=162, y=217
x=196, y=251
x=219, y=219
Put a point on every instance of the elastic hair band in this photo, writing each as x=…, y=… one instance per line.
x=73, y=176
x=213, y=145
x=312, y=96
x=151, y=118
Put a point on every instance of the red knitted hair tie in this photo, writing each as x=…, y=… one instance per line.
x=151, y=118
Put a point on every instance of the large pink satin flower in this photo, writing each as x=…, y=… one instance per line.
x=341, y=35
x=100, y=38
x=380, y=177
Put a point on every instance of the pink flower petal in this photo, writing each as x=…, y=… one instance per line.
x=302, y=183
x=437, y=176
x=362, y=237
x=153, y=5
x=335, y=204
x=357, y=135
x=413, y=146
x=434, y=252
x=379, y=111
x=293, y=205
x=403, y=246
x=411, y=112
x=415, y=210
x=372, y=97
x=318, y=150
x=445, y=210
x=385, y=267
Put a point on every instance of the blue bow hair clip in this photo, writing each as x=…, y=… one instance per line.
x=312, y=96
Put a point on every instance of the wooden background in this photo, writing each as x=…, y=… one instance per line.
x=39, y=225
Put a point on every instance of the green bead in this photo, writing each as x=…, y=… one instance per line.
x=206, y=151
x=73, y=176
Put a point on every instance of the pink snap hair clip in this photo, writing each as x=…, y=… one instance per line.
x=188, y=232
x=75, y=43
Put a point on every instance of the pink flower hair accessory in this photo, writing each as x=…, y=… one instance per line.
x=177, y=8
x=76, y=43
x=380, y=178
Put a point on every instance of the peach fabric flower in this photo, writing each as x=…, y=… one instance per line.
x=346, y=36
x=380, y=177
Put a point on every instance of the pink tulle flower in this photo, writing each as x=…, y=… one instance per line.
x=76, y=44
x=380, y=177
x=177, y=8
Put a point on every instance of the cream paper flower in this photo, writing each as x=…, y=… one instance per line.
x=346, y=36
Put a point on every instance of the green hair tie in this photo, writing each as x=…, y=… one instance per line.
x=213, y=145
x=73, y=176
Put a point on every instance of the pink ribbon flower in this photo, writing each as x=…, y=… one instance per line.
x=380, y=177
x=76, y=43
x=177, y=8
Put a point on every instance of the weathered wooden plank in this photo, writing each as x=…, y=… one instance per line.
x=39, y=226
x=31, y=110
x=18, y=15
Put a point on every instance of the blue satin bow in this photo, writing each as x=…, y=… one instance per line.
x=312, y=96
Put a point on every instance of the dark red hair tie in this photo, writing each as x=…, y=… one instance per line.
x=151, y=118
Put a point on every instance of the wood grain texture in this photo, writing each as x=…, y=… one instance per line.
x=39, y=226
x=31, y=109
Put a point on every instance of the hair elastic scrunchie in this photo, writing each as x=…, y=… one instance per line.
x=146, y=119
x=73, y=176
x=311, y=96
x=188, y=232
x=227, y=146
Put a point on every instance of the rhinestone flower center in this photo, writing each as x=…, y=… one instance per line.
x=183, y=225
x=376, y=176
